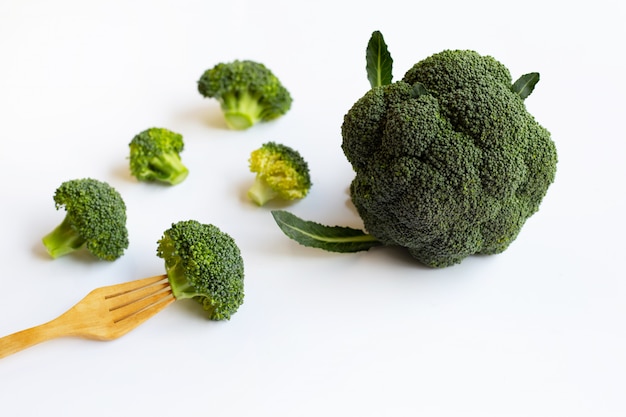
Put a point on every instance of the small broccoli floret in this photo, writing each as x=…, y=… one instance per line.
x=205, y=264
x=448, y=161
x=247, y=91
x=95, y=218
x=155, y=156
x=281, y=172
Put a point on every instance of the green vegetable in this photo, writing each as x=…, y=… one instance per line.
x=248, y=93
x=281, y=172
x=330, y=238
x=95, y=218
x=379, y=63
x=448, y=161
x=155, y=156
x=525, y=84
x=205, y=264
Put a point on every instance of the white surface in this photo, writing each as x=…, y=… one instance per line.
x=536, y=331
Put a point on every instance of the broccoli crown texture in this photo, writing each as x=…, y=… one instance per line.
x=247, y=91
x=155, y=156
x=95, y=218
x=281, y=173
x=448, y=162
x=205, y=264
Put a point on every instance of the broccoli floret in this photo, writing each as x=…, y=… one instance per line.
x=448, y=161
x=95, y=218
x=155, y=156
x=247, y=91
x=281, y=172
x=205, y=264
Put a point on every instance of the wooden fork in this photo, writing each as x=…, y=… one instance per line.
x=106, y=313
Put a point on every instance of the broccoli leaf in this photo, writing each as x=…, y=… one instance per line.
x=379, y=63
x=525, y=84
x=329, y=238
x=419, y=90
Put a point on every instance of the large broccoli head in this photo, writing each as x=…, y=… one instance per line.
x=448, y=161
x=248, y=92
x=95, y=218
x=205, y=264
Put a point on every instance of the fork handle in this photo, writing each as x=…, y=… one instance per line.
x=23, y=339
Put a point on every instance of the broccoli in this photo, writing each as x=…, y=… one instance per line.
x=248, y=92
x=155, y=156
x=205, y=264
x=281, y=172
x=448, y=161
x=95, y=218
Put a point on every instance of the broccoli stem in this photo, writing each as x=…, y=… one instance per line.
x=63, y=239
x=260, y=192
x=169, y=168
x=242, y=110
x=181, y=287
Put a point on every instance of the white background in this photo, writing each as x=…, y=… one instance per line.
x=536, y=331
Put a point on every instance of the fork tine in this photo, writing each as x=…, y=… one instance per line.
x=140, y=304
x=136, y=296
x=124, y=298
x=133, y=285
x=138, y=317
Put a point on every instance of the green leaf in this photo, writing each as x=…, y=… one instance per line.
x=419, y=90
x=525, y=84
x=379, y=63
x=329, y=238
